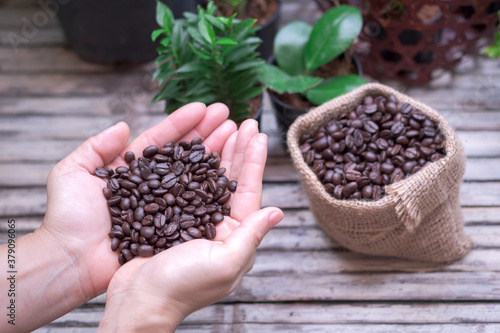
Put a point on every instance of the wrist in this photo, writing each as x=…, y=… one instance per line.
x=139, y=311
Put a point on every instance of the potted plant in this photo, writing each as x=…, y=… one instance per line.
x=266, y=12
x=114, y=31
x=208, y=59
x=312, y=65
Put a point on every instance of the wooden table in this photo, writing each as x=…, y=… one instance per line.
x=50, y=101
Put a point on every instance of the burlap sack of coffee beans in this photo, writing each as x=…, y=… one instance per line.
x=417, y=218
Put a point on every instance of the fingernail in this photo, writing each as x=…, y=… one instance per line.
x=275, y=218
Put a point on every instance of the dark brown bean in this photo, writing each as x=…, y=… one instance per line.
x=145, y=250
x=210, y=231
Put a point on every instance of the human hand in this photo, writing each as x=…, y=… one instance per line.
x=77, y=217
x=155, y=294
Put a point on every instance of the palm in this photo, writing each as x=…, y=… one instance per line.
x=79, y=215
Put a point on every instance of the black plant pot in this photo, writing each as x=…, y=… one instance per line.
x=267, y=32
x=285, y=114
x=114, y=32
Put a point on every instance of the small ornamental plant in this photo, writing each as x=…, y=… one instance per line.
x=300, y=49
x=204, y=58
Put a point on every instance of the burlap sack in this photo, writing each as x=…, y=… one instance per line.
x=418, y=218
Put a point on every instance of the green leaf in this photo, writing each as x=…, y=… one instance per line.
x=281, y=82
x=250, y=93
x=169, y=90
x=289, y=47
x=238, y=53
x=198, y=53
x=226, y=41
x=195, y=34
x=156, y=33
x=216, y=23
x=493, y=51
x=334, y=87
x=247, y=65
x=211, y=8
x=164, y=16
x=206, y=30
x=165, y=41
x=332, y=34
x=161, y=59
x=194, y=66
x=242, y=29
x=190, y=17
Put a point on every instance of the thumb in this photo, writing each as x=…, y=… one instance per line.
x=100, y=149
x=245, y=239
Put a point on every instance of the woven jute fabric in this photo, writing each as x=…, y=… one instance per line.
x=418, y=217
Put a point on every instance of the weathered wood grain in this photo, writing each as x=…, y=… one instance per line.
x=270, y=313
x=12, y=39
x=440, y=286
x=314, y=239
x=46, y=60
x=313, y=328
x=28, y=18
x=136, y=103
x=71, y=85
x=325, y=262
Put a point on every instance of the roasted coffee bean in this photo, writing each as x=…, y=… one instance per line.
x=232, y=185
x=145, y=250
x=150, y=151
x=101, y=173
x=210, y=231
x=371, y=127
x=151, y=208
x=147, y=232
x=129, y=157
x=349, y=189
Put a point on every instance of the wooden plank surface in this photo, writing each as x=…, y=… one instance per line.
x=302, y=280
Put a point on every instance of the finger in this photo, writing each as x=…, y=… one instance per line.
x=228, y=153
x=171, y=129
x=248, y=195
x=247, y=130
x=101, y=149
x=245, y=239
x=215, y=115
x=216, y=140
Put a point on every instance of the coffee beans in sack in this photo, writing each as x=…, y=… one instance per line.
x=382, y=173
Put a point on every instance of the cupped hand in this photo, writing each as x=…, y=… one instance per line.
x=77, y=217
x=169, y=286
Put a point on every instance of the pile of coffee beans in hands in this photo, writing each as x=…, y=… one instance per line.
x=171, y=195
x=379, y=143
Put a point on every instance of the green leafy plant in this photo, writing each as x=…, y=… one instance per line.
x=300, y=49
x=207, y=59
x=493, y=51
